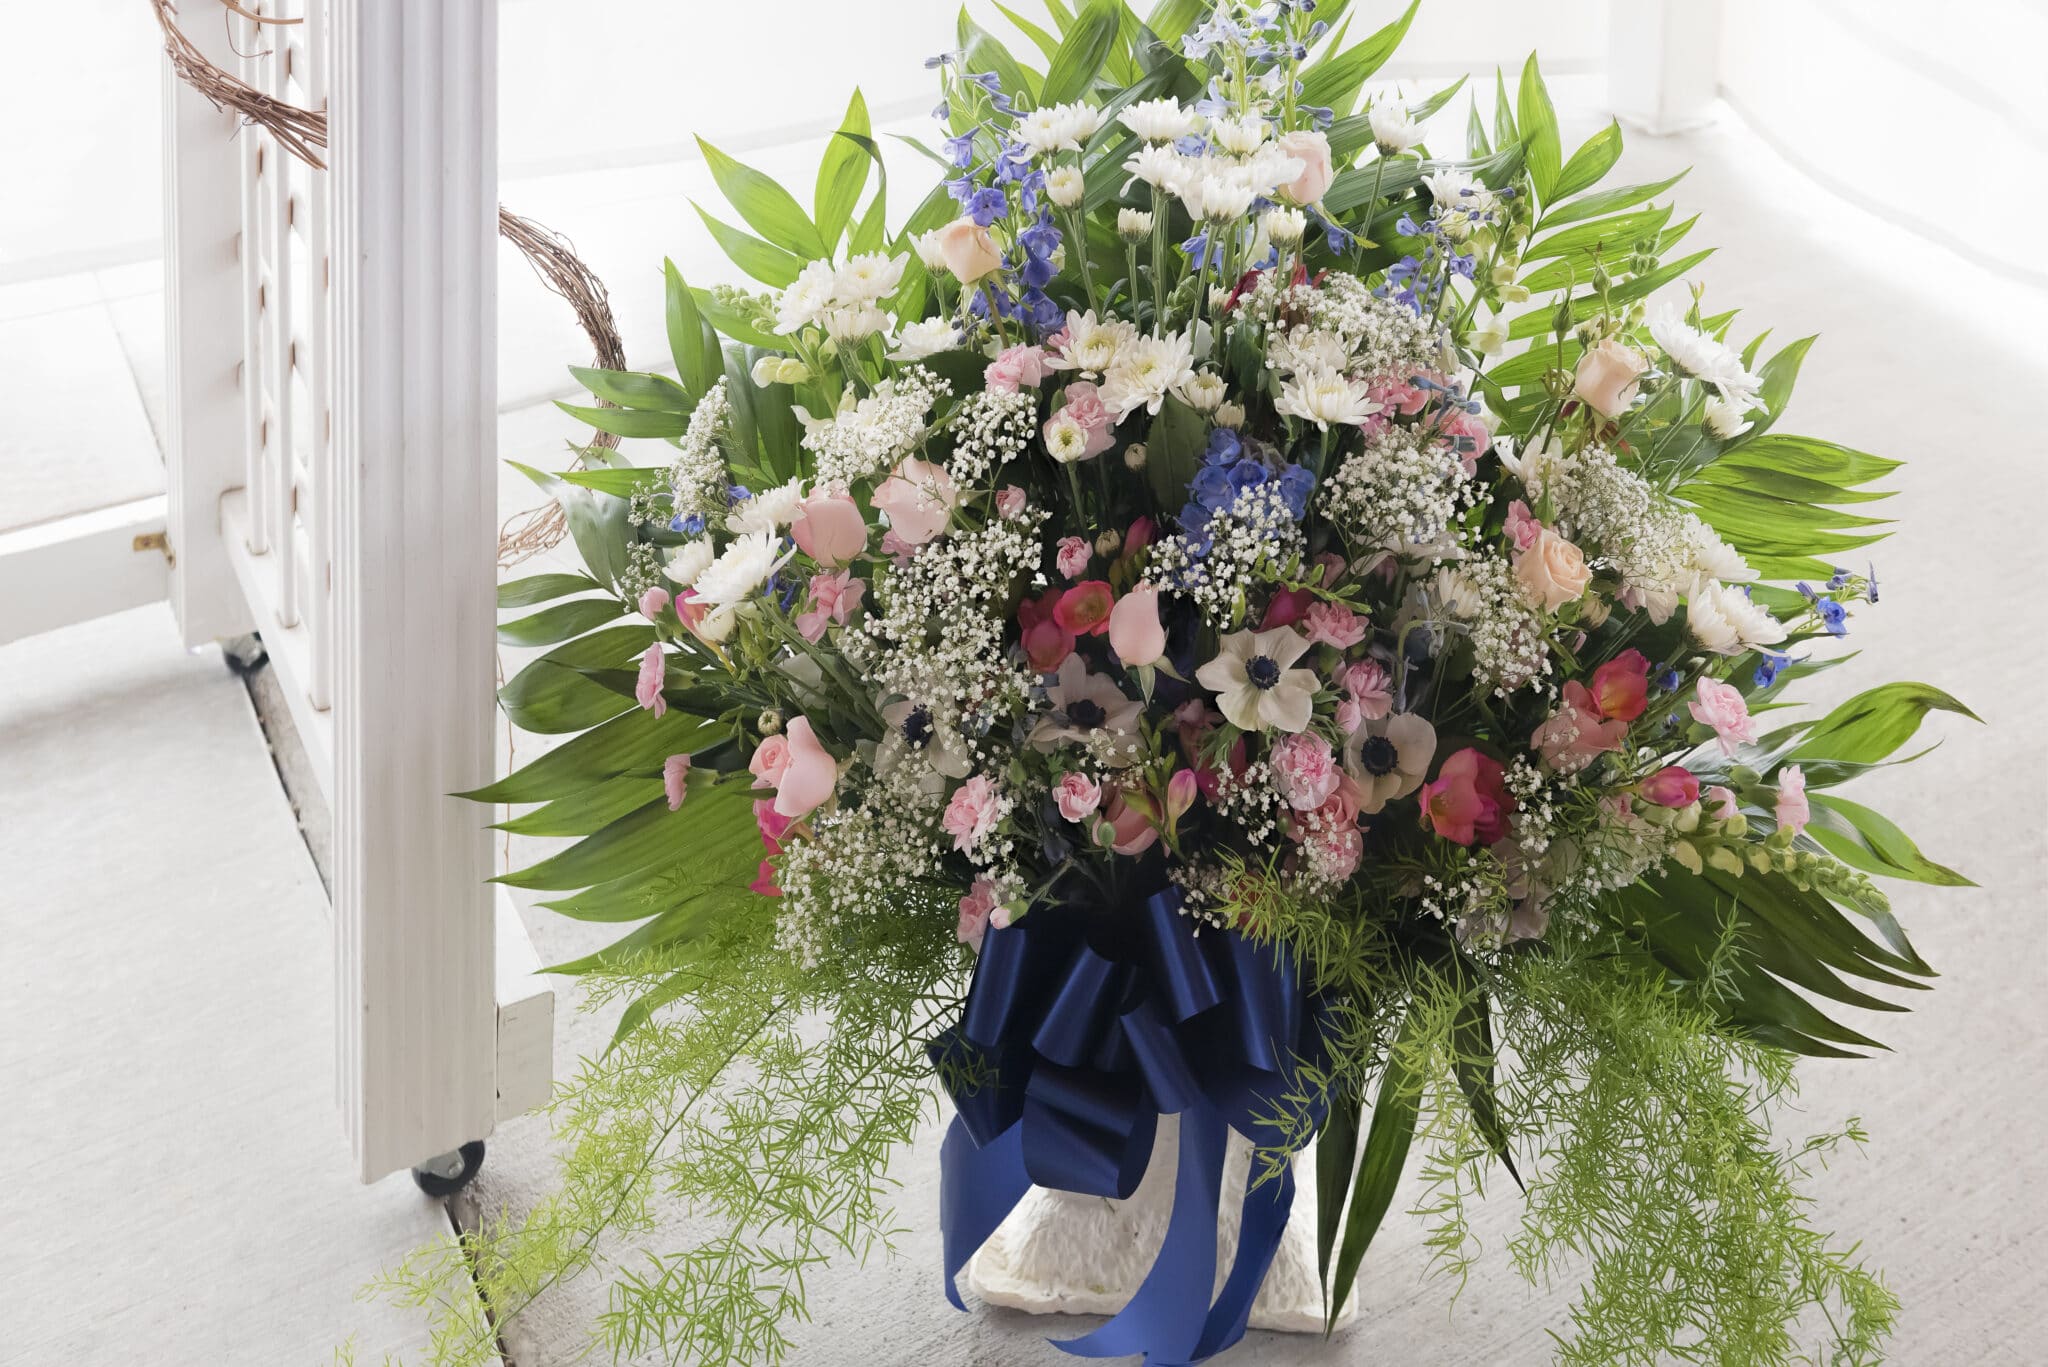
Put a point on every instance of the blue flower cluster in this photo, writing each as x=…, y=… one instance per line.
x=1833, y=615
x=1018, y=187
x=1769, y=663
x=1226, y=473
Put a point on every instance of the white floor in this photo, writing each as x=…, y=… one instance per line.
x=191, y=1204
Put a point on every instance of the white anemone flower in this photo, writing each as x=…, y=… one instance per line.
x=915, y=730
x=1705, y=357
x=740, y=571
x=1145, y=371
x=1389, y=757
x=769, y=511
x=1085, y=705
x=1726, y=621
x=1315, y=394
x=1255, y=687
x=925, y=337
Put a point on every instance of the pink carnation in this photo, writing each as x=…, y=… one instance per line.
x=1009, y=501
x=972, y=813
x=1367, y=683
x=1522, y=525
x=1334, y=624
x=1077, y=796
x=653, y=601
x=1723, y=707
x=1792, y=810
x=1305, y=771
x=975, y=910
x=1071, y=559
x=834, y=598
x=1020, y=365
x=675, y=780
x=647, y=688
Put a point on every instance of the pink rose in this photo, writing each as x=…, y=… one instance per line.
x=1134, y=630
x=1305, y=770
x=1792, y=809
x=1552, y=571
x=647, y=689
x=675, y=780
x=1334, y=624
x=1015, y=367
x=1009, y=501
x=653, y=601
x=1367, y=683
x=1072, y=557
x=770, y=760
x=829, y=528
x=1522, y=525
x=1671, y=786
x=1607, y=377
x=975, y=909
x=1468, y=434
x=968, y=251
x=899, y=551
x=1312, y=150
x=1469, y=802
x=919, y=499
x=834, y=599
x=972, y=812
x=1723, y=707
x=1125, y=828
x=1576, y=733
x=1077, y=796
x=1721, y=803
x=1286, y=609
x=1621, y=687
x=809, y=775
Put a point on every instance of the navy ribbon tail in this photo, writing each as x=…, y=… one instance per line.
x=978, y=1188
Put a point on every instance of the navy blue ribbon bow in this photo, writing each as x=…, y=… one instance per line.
x=1082, y=1027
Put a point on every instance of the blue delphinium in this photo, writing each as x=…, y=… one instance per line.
x=1769, y=663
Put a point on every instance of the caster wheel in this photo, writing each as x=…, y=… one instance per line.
x=451, y=1172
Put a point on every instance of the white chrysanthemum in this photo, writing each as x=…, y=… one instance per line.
x=1158, y=165
x=929, y=254
x=1066, y=441
x=1704, y=356
x=1159, y=120
x=1285, y=226
x=689, y=561
x=1064, y=186
x=1725, y=420
x=716, y=625
x=1133, y=224
x=1540, y=468
x=855, y=323
x=1216, y=198
x=925, y=337
x=1726, y=621
x=1306, y=348
x=1269, y=168
x=808, y=296
x=1392, y=129
x=1203, y=393
x=1456, y=594
x=1091, y=346
x=1323, y=397
x=1239, y=137
x=1715, y=558
x=869, y=276
x=1146, y=370
x=740, y=571
x=769, y=511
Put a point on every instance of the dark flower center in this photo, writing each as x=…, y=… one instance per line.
x=917, y=727
x=1378, y=756
x=1262, y=670
x=1086, y=713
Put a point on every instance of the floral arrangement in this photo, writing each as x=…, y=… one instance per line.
x=1227, y=611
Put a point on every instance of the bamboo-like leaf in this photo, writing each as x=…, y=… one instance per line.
x=692, y=341
x=631, y=740
x=1536, y=122
x=1081, y=53
x=764, y=205
x=1606, y=202
x=587, y=812
x=541, y=588
x=1875, y=723
x=771, y=265
x=842, y=174
x=1334, y=82
x=1472, y=1041
x=1594, y=159
x=1868, y=840
x=983, y=52
x=631, y=389
x=1336, y=1157
x=558, y=623
x=620, y=481
x=1394, y=1112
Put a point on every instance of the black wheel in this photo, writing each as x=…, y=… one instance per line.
x=451, y=1172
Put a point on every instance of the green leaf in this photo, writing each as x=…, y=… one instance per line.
x=597, y=522
x=1779, y=374
x=1594, y=159
x=1336, y=1156
x=1873, y=724
x=1170, y=19
x=1809, y=457
x=586, y=812
x=1868, y=840
x=629, y=740
x=1606, y=202
x=1472, y=1041
x=1538, y=120
x=620, y=481
x=554, y=694
x=1386, y=1154
x=1046, y=43
x=842, y=175
x=1614, y=237
x=1504, y=131
x=628, y=422
x=558, y=623
x=1082, y=53
x=539, y=588
x=984, y=53
x=1538, y=321
x=691, y=341
x=766, y=207
x=648, y=834
x=767, y=263
x=1173, y=451
x=1334, y=82
x=631, y=389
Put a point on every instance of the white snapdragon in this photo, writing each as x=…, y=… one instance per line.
x=925, y=337
x=1158, y=121
x=773, y=369
x=1392, y=128
x=1490, y=337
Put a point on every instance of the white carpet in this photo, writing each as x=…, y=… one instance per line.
x=174, y=1185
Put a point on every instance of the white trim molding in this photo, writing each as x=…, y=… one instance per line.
x=1663, y=63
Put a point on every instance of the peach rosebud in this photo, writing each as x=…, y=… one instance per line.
x=1134, y=630
x=1312, y=150
x=1607, y=377
x=829, y=529
x=1552, y=571
x=968, y=251
x=810, y=774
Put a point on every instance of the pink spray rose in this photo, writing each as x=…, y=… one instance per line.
x=810, y=774
x=675, y=780
x=1312, y=150
x=919, y=499
x=968, y=250
x=1469, y=802
x=1139, y=536
x=1125, y=827
x=770, y=759
x=1367, y=683
x=1607, y=377
x=653, y=601
x=1671, y=786
x=1522, y=525
x=1552, y=570
x=1723, y=707
x=1305, y=771
x=829, y=528
x=1135, y=633
x=1077, y=796
x=1071, y=557
x=975, y=909
x=1334, y=624
x=1576, y=733
x=1018, y=366
x=972, y=812
x=1009, y=501
x=834, y=598
x=647, y=689
x=1792, y=809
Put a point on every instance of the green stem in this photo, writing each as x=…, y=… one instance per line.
x=1158, y=259
x=1077, y=234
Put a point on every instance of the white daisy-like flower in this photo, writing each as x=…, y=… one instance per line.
x=1216, y=198
x=1159, y=120
x=1726, y=621
x=769, y=511
x=914, y=728
x=1091, y=346
x=925, y=337
x=1239, y=137
x=1064, y=186
x=869, y=276
x=689, y=561
x=1145, y=371
x=1269, y=168
x=1157, y=164
x=1204, y=393
x=1726, y=420
x=1254, y=685
x=1392, y=129
x=1133, y=225
x=1315, y=394
x=808, y=296
x=1285, y=225
x=1389, y=757
x=929, y=253
x=715, y=626
x=852, y=323
x=741, y=569
x=1705, y=357
x=1716, y=559
x=1066, y=441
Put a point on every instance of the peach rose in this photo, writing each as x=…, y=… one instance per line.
x=829, y=528
x=1134, y=630
x=968, y=251
x=1312, y=150
x=919, y=499
x=1607, y=377
x=1552, y=571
